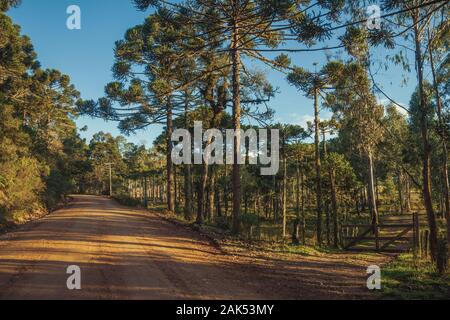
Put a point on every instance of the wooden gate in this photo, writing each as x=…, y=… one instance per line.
x=389, y=237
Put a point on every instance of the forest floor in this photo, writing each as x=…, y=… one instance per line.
x=128, y=253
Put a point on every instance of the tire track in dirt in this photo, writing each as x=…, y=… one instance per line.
x=134, y=254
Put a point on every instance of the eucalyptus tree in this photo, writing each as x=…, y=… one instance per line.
x=437, y=41
x=105, y=149
x=394, y=150
x=413, y=24
x=360, y=116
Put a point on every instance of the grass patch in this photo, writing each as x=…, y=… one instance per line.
x=405, y=279
x=299, y=249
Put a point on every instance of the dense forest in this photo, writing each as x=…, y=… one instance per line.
x=192, y=61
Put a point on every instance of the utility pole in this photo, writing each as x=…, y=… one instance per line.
x=110, y=178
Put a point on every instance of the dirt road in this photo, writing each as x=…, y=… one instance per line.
x=132, y=254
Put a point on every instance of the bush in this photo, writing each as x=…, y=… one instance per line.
x=249, y=220
x=21, y=189
x=442, y=256
x=222, y=223
x=127, y=201
x=409, y=278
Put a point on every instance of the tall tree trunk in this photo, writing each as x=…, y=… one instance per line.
x=407, y=195
x=154, y=187
x=297, y=224
x=175, y=187
x=426, y=165
x=372, y=197
x=327, y=218
x=225, y=191
x=334, y=208
x=218, y=202
x=377, y=193
x=303, y=216
x=442, y=133
x=145, y=193
x=236, y=179
x=170, y=198
x=187, y=169
x=284, y=195
x=275, y=200
x=187, y=192
x=327, y=222
x=363, y=199
x=318, y=166
x=201, y=193
x=400, y=191
x=211, y=195
x=297, y=192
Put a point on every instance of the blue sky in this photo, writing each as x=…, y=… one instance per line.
x=86, y=55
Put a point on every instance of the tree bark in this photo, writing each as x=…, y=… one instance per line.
x=327, y=218
x=284, y=195
x=170, y=198
x=201, y=193
x=426, y=161
x=225, y=191
x=211, y=195
x=400, y=191
x=297, y=192
x=334, y=208
x=236, y=178
x=175, y=187
x=145, y=193
x=372, y=198
x=407, y=195
x=442, y=133
x=218, y=203
x=275, y=200
x=302, y=209
x=318, y=167
x=187, y=168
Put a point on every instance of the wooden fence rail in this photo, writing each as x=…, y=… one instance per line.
x=383, y=242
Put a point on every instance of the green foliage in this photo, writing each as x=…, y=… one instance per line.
x=6, y=4
x=407, y=279
x=22, y=188
x=249, y=220
x=36, y=125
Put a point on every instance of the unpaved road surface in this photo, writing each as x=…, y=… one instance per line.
x=133, y=254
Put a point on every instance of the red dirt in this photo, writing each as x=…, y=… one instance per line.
x=133, y=254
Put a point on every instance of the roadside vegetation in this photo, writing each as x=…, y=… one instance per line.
x=40, y=149
x=408, y=278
